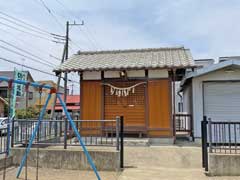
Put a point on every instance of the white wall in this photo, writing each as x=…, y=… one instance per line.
x=111, y=74
x=197, y=87
x=158, y=73
x=96, y=75
x=132, y=73
x=136, y=73
x=187, y=99
x=177, y=97
x=91, y=75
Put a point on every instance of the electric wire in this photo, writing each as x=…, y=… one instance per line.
x=23, y=26
x=32, y=68
x=29, y=53
x=29, y=33
x=20, y=54
x=23, y=22
x=27, y=44
x=50, y=12
x=29, y=67
x=89, y=39
x=56, y=20
x=93, y=41
x=39, y=33
x=31, y=27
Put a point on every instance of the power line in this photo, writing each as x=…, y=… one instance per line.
x=75, y=44
x=29, y=53
x=64, y=7
x=55, y=18
x=50, y=12
x=56, y=58
x=15, y=52
x=23, y=26
x=32, y=68
x=93, y=37
x=30, y=25
x=10, y=61
x=93, y=41
x=40, y=29
x=29, y=33
x=88, y=37
x=24, y=42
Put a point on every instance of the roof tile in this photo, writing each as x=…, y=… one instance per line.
x=128, y=59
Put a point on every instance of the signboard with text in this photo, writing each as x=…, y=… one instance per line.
x=20, y=75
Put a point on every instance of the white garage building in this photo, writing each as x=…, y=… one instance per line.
x=213, y=91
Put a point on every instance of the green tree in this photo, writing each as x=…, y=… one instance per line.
x=5, y=110
x=32, y=112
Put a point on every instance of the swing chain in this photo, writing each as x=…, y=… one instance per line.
x=40, y=104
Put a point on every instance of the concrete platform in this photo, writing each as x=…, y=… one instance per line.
x=165, y=163
x=72, y=158
x=141, y=163
x=224, y=164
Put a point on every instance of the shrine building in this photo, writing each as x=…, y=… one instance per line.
x=138, y=84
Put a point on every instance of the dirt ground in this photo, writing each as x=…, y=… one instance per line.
x=141, y=163
x=57, y=174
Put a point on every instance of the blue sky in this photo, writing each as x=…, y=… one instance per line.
x=209, y=28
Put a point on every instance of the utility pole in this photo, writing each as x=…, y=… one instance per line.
x=72, y=88
x=58, y=85
x=66, y=54
x=64, y=57
x=65, y=85
x=65, y=76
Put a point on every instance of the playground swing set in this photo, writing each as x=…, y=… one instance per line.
x=36, y=128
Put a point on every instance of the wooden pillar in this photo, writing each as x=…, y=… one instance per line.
x=174, y=103
x=146, y=102
x=103, y=92
x=80, y=93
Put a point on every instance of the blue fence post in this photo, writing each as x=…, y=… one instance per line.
x=78, y=136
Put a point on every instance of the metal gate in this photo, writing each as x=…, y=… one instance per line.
x=219, y=137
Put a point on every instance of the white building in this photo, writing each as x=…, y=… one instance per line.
x=213, y=91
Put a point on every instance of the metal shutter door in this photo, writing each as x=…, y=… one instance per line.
x=132, y=107
x=222, y=100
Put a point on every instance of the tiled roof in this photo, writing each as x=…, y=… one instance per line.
x=68, y=108
x=71, y=99
x=73, y=103
x=174, y=57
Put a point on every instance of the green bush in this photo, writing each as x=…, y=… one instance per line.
x=32, y=112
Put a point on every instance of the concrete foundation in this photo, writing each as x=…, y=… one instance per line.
x=71, y=159
x=6, y=162
x=224, y=164
x=161, y=141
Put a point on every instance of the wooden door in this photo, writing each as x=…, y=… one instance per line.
x=159, y=104
x=91, y=107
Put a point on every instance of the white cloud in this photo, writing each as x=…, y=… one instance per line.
x=208, y=25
